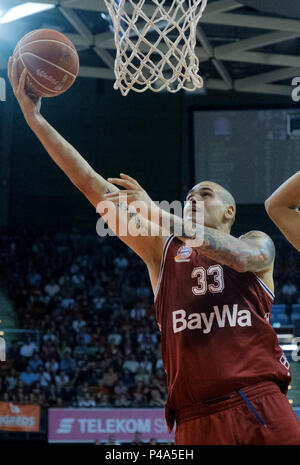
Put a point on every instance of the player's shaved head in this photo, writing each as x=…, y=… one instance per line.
x=227, y=197
x=223, y=194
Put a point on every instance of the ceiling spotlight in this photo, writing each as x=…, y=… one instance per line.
x=26, y=9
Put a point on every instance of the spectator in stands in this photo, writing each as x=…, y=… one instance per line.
x=147, y=363
x=49, y=336
x=138, y=312
x=67, y=393
x=110, y=378
x=49, y=350
x=44, y=377
x=128, y=377
x=120, y=388
x=61, y=379
x=87, y=401
x=67, y=302
x=112, y=440
x=10, y=380
x=28, y=348
x=138, y=394
x=51, y=395
x=52, y=366
x=289, y=290
x=5, y=397
x=105, y=402
x=34, y=278
x=289, y=293
x=142, y=375
x=113, y=351
x=35, y=362
x=28, y=377
x=68, y=364
x=131, y=364
x=156, y=400
x=122, y=401
x=121, y=262
x=114, y=337
x=86, y=335
x=78, y=324
x=137, y=438
x=52, y=289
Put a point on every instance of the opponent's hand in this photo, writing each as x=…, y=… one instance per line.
x=132, y=192
x=30, y=106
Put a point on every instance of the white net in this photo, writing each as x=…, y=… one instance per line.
x=155, y=43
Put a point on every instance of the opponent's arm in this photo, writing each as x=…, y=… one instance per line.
x=82, y=175
x=282, y=207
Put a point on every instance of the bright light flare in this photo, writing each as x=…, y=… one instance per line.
x=26, y=9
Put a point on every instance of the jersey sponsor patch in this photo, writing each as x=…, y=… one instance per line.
x=221, y=317
x=183, y=254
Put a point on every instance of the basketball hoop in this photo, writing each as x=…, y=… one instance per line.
x=155, y=43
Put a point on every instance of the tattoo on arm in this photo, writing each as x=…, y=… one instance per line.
x=265, y=258
x=254, y=255
x=139, y=221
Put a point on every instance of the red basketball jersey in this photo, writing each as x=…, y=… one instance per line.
x=216, y=335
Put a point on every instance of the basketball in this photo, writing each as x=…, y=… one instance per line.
x=51, y=61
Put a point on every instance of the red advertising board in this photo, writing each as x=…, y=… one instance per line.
x=15, y=417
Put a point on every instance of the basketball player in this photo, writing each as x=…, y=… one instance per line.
x=227, y=376
x=282, y=208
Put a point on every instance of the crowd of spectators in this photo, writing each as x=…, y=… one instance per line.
x=93, y=340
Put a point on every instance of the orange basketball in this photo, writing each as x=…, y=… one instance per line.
x=51, y=61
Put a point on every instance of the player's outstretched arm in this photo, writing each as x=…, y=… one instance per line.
x=91, y=184
x=254, y=251
x=62, y=153
x=282, y=207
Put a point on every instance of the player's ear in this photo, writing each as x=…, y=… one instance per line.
x=230, y=213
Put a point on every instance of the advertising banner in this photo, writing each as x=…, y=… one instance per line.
x=15, y=417
x=90, y=425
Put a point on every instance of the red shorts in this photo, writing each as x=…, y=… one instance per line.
x=263, y=416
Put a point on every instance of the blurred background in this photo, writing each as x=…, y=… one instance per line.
x=77, y=309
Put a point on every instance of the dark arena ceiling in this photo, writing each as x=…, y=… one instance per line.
x=247, y=46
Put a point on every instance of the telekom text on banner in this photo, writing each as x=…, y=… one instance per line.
x=89, y=425
x=16, y=417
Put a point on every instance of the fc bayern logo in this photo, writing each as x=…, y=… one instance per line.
x=183, y=254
